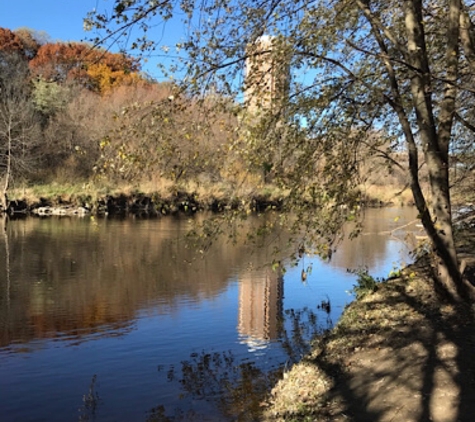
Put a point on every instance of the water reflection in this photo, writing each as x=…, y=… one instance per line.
x=260, y=307
x=384, y=234
x=75, y=279
x=235, y=387
x=91, y=402
x=119, y=298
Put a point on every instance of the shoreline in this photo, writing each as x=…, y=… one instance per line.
x=401, y=353
x=139, y=204
x=151, y=205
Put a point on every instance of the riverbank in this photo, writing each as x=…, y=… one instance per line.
x=399, y=354
x=139, y=203
x=153, y=200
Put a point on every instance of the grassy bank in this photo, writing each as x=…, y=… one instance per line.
x=161, y=197
x=400, y=353
x=165, y=197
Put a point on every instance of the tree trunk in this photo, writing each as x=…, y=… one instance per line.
x=4, y=195
x=8, y=170
x=435, y=136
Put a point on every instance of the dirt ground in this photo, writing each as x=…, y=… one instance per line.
x=399, y=354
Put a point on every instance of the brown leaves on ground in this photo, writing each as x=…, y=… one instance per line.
x=400, y=354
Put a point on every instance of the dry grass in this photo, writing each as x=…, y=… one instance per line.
x=400, y=354
x=206, y=191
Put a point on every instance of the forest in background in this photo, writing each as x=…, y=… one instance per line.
x=76, y=114
x=77, y=119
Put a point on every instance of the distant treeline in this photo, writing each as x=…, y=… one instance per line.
x=73, y=113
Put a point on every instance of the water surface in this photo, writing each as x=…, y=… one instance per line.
x=116, y=320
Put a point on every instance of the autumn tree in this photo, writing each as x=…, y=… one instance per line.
x=31, y=41
x=157, y=131
x=11, y=42
x=20, y=132
x=95, y=69
x=358, y=66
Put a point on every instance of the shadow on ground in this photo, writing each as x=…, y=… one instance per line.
x=400, y=354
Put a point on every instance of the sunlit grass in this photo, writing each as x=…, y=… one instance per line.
x=205, y=189
x=92, y=191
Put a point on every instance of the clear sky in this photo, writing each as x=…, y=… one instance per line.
x=60, y=19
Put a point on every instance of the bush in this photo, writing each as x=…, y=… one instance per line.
x=365, y=283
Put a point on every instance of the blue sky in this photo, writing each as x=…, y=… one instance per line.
x=62, y=20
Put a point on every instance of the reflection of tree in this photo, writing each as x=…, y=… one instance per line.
x=237, y=388
x=91, y=401
x=3, y=230
x=303, y=326
x=5, y=297
x=371, y=246
x=72, y=278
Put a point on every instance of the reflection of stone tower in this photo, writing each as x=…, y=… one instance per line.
x=260, y=307
x=267, y=75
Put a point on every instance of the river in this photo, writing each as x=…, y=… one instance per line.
x=118, y=320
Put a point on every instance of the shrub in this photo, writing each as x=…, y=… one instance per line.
x=365, y=283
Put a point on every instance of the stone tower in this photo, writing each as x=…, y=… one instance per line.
x=267, y=75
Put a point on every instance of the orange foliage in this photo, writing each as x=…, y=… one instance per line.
x=95, y=69
x=105, y=78
x=10, y=42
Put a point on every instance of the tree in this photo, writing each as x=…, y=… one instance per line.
x=31, y=40
x=19, y=123
x=10, y=42
x=95, y=69
x=50, y=97
x=359, y=66
x=157, y=131
x=71, y=136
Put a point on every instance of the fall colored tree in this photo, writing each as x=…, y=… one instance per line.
x=24, y=41
x=95, y=69
x=11, y=42
x=105, y=77
x=20, y=132
x=31, y=41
